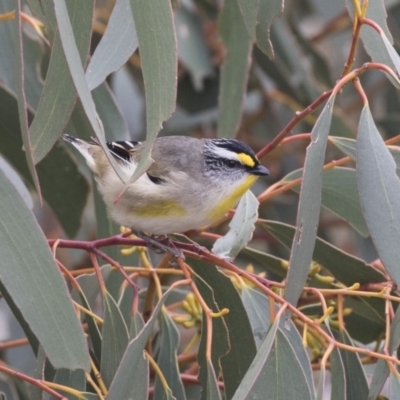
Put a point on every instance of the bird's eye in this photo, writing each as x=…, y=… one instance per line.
x=231, y=163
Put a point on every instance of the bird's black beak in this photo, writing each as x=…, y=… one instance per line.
x=259, y=170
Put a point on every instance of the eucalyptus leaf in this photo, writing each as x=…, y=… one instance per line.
x=235, y=68
x=115, y=339
x=240, y=228
x=35, y=284
x=379, y=191
x=158, y=56
x=309, y=206
x=117, y=44
x=339, y=195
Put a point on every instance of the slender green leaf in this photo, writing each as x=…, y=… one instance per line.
x=35, y=392
x=379, y=190
x=118, y=43
x=356, y=381
x=35, y=284
x=240, y=228
x=220, y=338
x=343, y=266
x=268, y=12
x=242, y=349
x=115, y=339
x=76, y=70
x=309, y=206
x=235, y=68
x=73, y=379
x=255, y=377
x=267, y=261
x=371, y=39
x=125, y=384
x=167, y=359
x=340, y=195
x=211, y=391
x=158, y=55
x=394, y=387
x=382, y=369
x=22, y=105
x=192, y=49
x=59, y=95
x=33, y=54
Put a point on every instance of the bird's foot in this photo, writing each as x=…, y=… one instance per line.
x=161, y=244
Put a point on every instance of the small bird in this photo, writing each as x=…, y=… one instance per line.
x=192, y=182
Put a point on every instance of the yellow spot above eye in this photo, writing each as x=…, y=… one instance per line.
x=160, y=209
x=246, y=160
x=229, y=202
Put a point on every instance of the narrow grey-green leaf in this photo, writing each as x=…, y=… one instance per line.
x=394, y=387
x=59, y=95
x=267, y=261
x=234, y=70
x=339, y=195
x=382, y=369
x=33, y=54
x=192, y=49
x=72, y=379
x=343, y=266
x=276, y=370
x=257, y=308
x=242, y=348
x=309, y=206
x=22, y=106
x=252, y=382
x=249, y=11
x=38, y=373
x=379, y=190
x=267, y=13
x=158, y=56
x=240, y=228
x=394, y=57
x=167, y=359
x=211, y=391
x=126, y=385
x=356, y=381
x=78, y=77
x=118, y=43
x=35, y=284
x=115, y=339
x=372, y=42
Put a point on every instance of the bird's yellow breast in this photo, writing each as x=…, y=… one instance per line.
x=230, y=201
x=160, y=209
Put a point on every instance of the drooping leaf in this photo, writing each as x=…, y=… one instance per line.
x=76, y=70
x=356, y=381
x=309, y=206
x=242, y=347
x=382, y=369
x=59, y=95
x=235, y=68
x=117, y=44
x=125, y=385
x=240, y=228
x=379, y=191
x=268, y=12
x=22, y=105
x=158, y=56
x=167, y=359
x=32, y=279
x=115, y=339
x=339, y=195
x=192, y=49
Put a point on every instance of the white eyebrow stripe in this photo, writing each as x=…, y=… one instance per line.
x=129, y=144
x=224, y=153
